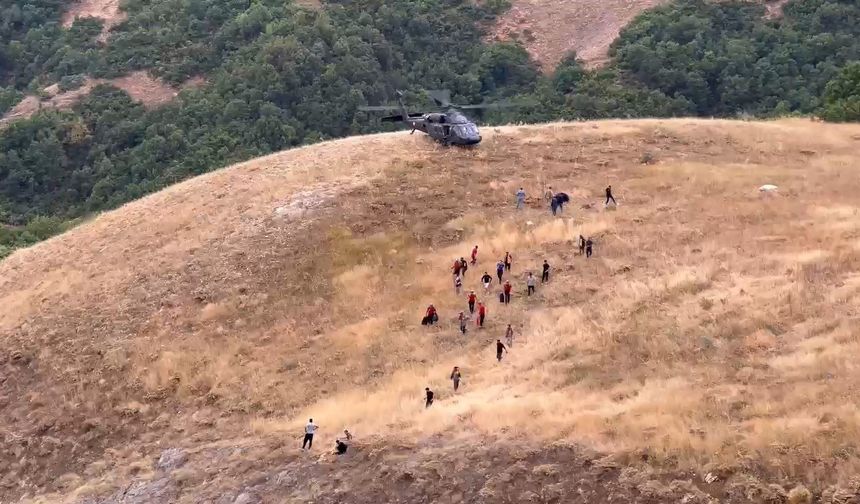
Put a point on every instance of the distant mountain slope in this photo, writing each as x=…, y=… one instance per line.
x=552, y=29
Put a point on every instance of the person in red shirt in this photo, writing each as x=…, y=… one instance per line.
x=431, y=317
x=457, y=267
x=472, y=298
x=475, y=255
x=507, y=289
x=482, y=312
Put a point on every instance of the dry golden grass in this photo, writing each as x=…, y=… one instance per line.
x=715, y=329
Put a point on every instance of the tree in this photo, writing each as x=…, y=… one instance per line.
x=842, y=96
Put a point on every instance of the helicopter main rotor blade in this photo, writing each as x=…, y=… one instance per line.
x=486, y=106
x=379, y=108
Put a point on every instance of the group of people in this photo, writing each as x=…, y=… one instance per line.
x=341, y=444
x=459, y=268
x=558, y=200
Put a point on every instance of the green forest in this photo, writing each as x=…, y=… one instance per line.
x=279, y=75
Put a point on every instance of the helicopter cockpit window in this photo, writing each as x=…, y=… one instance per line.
x=467, y=130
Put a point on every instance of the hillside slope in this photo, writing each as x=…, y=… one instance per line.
x=550, y=30
x=171, y=350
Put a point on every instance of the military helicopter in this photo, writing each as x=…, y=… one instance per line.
x=448, y=127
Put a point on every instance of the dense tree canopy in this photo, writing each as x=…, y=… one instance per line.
x=842, y=95
x=279, y=76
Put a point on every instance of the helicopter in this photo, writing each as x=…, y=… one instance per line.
x=448, y=127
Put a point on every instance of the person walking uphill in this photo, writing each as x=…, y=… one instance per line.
x=458, y=284
x=463, y=266
x=462, y=323
x=475, y=255
x=310, y=429
x=500, y=347
x=457, y=267
x=486, y=280
x=530, y=283
x=500, y=270
x=472, y=298
x=428, y=397
x=609, y=196
x=455, y=377
x=482, y=313
x=507, y=291
x=508, y=260
x=581, y=245
x=588, y=245
x=553, y=205
x=509, y=335
x=521, y=199
x=544, y=277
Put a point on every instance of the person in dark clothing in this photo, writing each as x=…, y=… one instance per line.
x=545, y=275
x=581, y=245
x=588, y=245
x=455, y=377
x=428, y=397
x=500, y=270
x=500, y=347
x=553, y=205
x=507, y=292
x=486, y=280
x=609, y=196
x=508, y=260
x=462, y=323
x=340, y=447
x=463, y=266
x=472, y=298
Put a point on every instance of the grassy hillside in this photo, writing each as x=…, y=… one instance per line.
x=705, y=352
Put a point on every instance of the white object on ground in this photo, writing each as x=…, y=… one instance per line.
x=768, y=188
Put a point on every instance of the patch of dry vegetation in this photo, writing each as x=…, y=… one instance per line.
x=711, y=336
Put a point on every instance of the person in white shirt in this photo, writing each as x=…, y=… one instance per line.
x=310, y=429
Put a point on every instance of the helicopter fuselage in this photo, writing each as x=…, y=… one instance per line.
x=449, y=128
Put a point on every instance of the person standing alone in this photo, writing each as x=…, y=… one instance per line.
x=609, y=196
x=455, y=377
x=509, y=336
x=500, y=347
x=428, y=397
x=588, y=245
x=544, y=277
x=521, y=198
x=475, y=255
x=310, y=429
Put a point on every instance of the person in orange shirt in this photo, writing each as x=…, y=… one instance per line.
x=482, y=312
x=472, y=298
